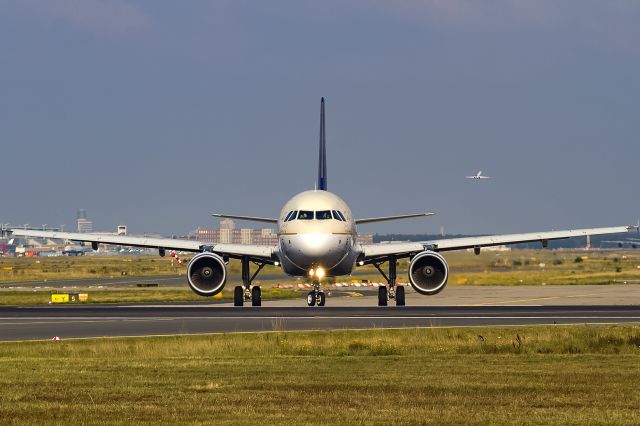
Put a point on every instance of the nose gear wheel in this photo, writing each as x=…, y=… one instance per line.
x=316, y=296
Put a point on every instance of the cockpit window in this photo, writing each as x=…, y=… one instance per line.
x=336, y=216
x=341, y=215
x=305, y=215
x=291, y=215
x=323, y=214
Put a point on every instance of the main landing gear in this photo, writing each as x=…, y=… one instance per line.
x=316, y=296
x=247, y=292
x=390, y=291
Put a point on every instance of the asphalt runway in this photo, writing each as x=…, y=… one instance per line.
x=352, y=308
x=85, y=321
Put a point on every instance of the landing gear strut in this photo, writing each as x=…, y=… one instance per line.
x=246, y=292
x=316, y=296
x=391, y=290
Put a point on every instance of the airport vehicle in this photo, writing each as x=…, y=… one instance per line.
x=477, y=176
x=317, y=238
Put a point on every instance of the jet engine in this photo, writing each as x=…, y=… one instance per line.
x=207, y=274
x=428, y=273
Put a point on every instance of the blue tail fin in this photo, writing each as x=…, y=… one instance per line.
x=322, y=161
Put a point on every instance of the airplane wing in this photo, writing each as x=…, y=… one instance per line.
x=231, y=250
x=384, y=218
x=409, y=248
x=483, y=177
x=250, y=218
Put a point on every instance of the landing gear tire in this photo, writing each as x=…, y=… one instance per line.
x=382, y=295
x=256, y=296
x=321, y=298
x=311, y=298
x=400, y=295
x=238, y=296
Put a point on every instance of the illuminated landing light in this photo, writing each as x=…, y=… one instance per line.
x=311, y=272
x=320, y=273
x=361, y=262
x=276, y=263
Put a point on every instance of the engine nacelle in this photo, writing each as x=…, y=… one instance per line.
x=207, y=274
x=428, y=273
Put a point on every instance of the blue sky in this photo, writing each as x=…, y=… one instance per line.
x=157, y=113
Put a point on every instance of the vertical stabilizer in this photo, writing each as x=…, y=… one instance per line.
x=322, y=161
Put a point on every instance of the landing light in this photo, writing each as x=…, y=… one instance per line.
x=320, y=273
x=310, y=272
x=276, y=263
x=361, y=262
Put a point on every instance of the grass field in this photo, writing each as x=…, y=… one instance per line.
x=576, y=375
x=495, y=268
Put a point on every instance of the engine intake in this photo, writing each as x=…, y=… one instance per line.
x=428, y=273
x=207, y=274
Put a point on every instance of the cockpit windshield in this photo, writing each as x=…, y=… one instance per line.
x=318, y=215
x=323, y=214
x=305, y=215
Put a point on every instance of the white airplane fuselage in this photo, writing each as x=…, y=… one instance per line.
x=307, y=244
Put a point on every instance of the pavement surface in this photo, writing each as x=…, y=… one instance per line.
x=461, y=306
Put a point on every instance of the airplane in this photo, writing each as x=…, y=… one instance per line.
x=318, y=238
x=477, y=176
x=74, y=249
x=632, y=243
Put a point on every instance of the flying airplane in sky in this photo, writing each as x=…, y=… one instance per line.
x=477, y=176
x=317, y=238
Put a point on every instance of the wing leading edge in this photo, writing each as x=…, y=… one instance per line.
x=405, y=249
x=231, y=250
x=248, y=218
x=385, y=218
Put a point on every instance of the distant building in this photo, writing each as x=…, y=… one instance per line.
x=265, y=236
x=226, y=236
x=82, y=223
x=245, y=236
x=206, y=235
x=227, y=224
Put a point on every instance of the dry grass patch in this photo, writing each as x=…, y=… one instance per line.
x=572, y=375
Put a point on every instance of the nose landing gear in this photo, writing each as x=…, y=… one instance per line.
x=247, y=292
x=316, y=296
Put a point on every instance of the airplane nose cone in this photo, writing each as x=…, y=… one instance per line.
x=306, y=250
x=315, y=244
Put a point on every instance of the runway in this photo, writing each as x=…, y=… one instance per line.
x=85, y=321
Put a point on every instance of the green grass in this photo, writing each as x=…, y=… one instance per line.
x=576, y=375
x=67, y=268
x=42, y=297
x=26, y=269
